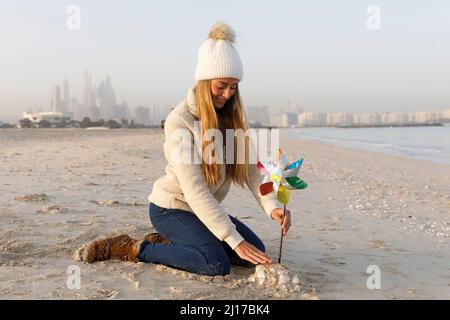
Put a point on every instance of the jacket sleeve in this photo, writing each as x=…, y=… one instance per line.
x=180, y=156
x=254, y=180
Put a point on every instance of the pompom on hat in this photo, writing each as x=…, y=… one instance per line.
x=217, y=57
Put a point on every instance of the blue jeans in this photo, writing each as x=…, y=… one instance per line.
x=193, y=247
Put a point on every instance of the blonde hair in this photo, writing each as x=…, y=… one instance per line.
x=230, y=116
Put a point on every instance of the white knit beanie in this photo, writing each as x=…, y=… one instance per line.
x=217, y=57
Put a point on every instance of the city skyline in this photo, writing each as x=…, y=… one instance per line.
x=321, y=57
x=99, y=102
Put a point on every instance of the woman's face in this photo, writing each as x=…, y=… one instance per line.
x=222, y=90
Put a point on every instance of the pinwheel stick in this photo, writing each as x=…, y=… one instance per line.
x=281, y=239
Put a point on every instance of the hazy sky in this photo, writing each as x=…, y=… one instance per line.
x=319, y=55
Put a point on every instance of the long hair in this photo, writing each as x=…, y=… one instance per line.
x=230, y=116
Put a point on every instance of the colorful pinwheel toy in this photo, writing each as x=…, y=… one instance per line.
x=281, y=178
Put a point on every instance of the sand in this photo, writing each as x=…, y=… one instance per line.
x=61, y=188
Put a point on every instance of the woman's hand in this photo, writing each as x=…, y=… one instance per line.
x=285, y=221
x=250, y=253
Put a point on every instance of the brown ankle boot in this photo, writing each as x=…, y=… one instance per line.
x=156, y=237
x=122, y=247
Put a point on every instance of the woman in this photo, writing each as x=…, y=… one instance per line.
x=195, y=233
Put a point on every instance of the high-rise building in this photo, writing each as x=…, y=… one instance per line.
x=142, y=115
x=370, y=118
x=120, y=111
x=276, y=120
x=312, y=119
x=394, y=118
x=94, y=113
x=106, y=99
x=340, y=118
x=66, y=97
x=76, y=109
x=56, y=99
x=426, y=116
x=87, y=89
x=155, y=115
x=445, y=115
x=289, y=119
x=90, y=98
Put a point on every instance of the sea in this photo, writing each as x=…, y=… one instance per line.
x=431, y=143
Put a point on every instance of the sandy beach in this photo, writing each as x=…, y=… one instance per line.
x=62, y=188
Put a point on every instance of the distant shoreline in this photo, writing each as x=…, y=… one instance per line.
x=348, y=126
x=345, y=126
